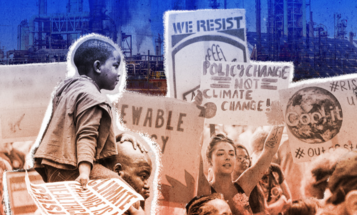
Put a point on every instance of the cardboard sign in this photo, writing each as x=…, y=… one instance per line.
x=25, y=92
x=243, y=93
x=193, y=36
x=110, y=196
x=320, y=115
x=20, y=200
x=176, y=126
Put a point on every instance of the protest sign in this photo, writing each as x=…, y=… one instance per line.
x=20, y=200
x=25, y=92
x=176, y=126
x=243, y=93
x=193, y=36
x=110, y=196
x=320, y=115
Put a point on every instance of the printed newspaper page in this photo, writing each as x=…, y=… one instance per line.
x=110, y=196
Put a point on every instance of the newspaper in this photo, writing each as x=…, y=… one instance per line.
x=110, y=196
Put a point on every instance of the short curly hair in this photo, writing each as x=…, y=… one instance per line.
x=90, y=51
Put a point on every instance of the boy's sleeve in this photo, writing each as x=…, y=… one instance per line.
x=87, y=125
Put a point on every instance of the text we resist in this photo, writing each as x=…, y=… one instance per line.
x=207, y=25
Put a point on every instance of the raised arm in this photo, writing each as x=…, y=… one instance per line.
x=250, y=178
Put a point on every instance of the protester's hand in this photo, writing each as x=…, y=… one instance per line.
x=197, y=100
x=136, y=144
x=83, y=180
x=84, y=172
x=134, y=211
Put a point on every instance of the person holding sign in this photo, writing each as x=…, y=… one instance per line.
x=80, y=131
x=221, y=155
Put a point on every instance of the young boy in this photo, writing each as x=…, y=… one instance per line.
x=80, y=131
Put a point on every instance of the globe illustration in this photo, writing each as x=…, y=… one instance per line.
x=313, y=115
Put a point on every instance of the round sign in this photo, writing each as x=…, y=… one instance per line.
x=314, y=115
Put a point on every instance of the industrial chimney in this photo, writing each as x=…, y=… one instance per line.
x=42, y=7
x=75, y=6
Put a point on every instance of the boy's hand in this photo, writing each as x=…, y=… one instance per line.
x=84, y=171
x=132, y=139
x=197, y=100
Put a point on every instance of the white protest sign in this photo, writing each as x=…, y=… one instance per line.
x=110, y=196
x=193, y=36
x=244, y=93
x=25, y=92
x=320, y=115
x=176, y=126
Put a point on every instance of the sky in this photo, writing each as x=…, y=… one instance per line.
x=143, y=19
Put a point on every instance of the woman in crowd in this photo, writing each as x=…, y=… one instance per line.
x=213, y=204
x=272, y=193
x=221, y=155
x=243, y=161
x=257, y=202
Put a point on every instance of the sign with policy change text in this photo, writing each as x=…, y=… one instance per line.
x=320, y=115
x=193, y=36
x=176, y=126
x=244, y=93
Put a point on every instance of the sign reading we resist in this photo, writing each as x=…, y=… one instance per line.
x=226, y=23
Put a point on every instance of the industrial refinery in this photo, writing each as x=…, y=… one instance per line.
x=291, y=37
x=47, y=37
x=290, y=34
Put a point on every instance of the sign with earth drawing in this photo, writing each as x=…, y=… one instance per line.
x=244, y=93
x=320, y=116
x=193, y=36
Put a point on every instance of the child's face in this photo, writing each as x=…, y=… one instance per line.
x=110, y=71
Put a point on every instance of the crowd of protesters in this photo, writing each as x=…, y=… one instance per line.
x=326, y=185
x=248, y=170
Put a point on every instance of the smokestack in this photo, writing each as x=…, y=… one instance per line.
x=351, y=35
x=311, y=26
x=257, y=12
x=42, y=7
x=96, y=8
x=75, y=6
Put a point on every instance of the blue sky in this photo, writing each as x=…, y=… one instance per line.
x=144, y=17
